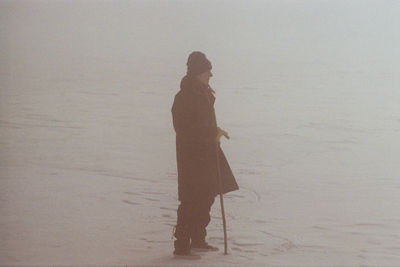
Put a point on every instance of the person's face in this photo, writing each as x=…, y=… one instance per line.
x=205, y=77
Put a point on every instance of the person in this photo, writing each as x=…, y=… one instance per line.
x=197, y=148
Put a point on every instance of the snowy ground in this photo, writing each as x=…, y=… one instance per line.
x=87, y=148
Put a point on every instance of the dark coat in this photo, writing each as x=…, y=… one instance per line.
x=196, y=148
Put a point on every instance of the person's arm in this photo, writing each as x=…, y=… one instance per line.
x=187, y=123
x=221, y=133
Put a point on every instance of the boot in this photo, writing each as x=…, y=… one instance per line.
x=202, y=246
x=182, y=242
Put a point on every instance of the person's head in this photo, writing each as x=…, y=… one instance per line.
x=204, y=77
x=199, y=66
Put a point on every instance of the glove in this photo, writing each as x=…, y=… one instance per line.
x=221, y=133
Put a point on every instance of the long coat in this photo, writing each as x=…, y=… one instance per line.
x=196, y=130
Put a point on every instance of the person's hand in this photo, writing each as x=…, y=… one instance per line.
x=221, y=133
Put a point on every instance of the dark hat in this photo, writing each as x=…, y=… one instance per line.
x=197, y=63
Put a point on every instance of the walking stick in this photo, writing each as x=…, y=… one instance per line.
x=221, y=201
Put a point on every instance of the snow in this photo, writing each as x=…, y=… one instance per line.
x=306, y=89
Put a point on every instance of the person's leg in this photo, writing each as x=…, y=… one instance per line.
x=182, y=242
x=201, y=218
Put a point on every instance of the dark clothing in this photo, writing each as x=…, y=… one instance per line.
x=196, y=152
x=196, y=130
x=193, y=218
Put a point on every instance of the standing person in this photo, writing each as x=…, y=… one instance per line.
x=196, y=152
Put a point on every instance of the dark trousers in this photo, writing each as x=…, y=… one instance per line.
x=192, y=220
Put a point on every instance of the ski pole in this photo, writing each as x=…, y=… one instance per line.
x=222, y=201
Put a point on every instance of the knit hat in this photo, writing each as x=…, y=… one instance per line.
x=197, y=63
